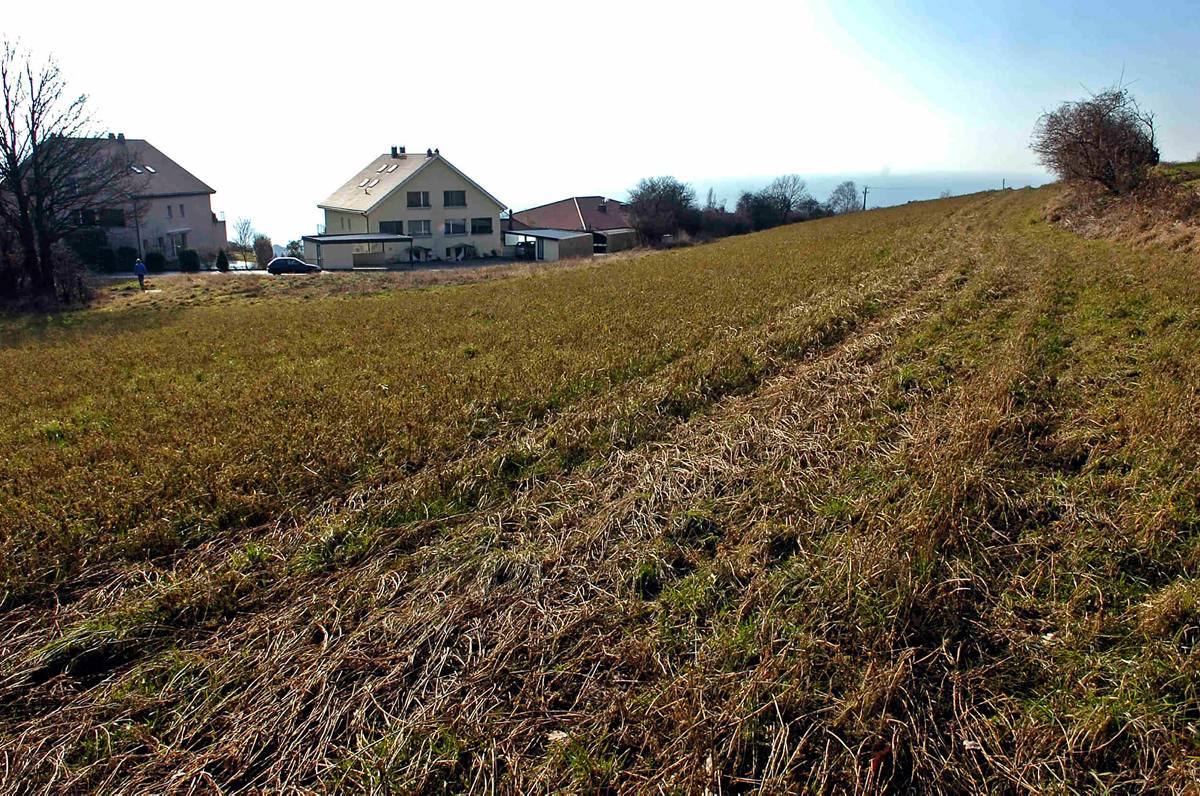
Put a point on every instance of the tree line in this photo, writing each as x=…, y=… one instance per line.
x=664, y=210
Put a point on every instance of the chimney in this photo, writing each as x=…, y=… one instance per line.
x=112, y=136
x=395, y=152
x=121, y=137
x=428, y=153
x=437, y=151
x=403, y=152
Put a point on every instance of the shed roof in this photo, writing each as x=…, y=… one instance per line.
x=551, y=234
x=361, y=237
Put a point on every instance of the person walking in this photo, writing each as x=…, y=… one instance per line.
x=139, y=270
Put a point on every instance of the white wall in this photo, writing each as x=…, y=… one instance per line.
x=155, y=225
x=334, y=257
x=434, y=178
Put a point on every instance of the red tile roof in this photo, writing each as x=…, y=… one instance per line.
x=577, y=213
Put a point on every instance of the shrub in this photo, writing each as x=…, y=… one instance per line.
x=661, y=206
x=70, y=276
x=155, y=261
x=86, y=244
x=222, y=261
x=189, y=260
x=718, y=223
x=126, y=257
x=106, y=260
x=1107, y=139
x=263, y=251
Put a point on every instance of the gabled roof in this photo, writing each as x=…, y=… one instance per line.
x=359, y=198
x=582, y=213
x=164, y=177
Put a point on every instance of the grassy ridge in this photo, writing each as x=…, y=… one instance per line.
x=901, y=499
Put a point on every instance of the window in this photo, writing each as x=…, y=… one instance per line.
x=161, y=244
x=418, y=198
x=170, y=212
x=181, y=213
x=392, y=227
x=87, y=218
x=136, y=169
x=454, y=198
x=112, y=217
x=419, y=229
x=151, y=169
x=456, y=226
x=481, y=226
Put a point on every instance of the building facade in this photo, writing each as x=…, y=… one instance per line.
x=171, y=209
x=422, y=196
x=605, y=218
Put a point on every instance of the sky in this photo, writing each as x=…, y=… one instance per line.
x=537, y=101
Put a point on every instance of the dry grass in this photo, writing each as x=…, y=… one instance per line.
x=1163, y=213
x=900, y=500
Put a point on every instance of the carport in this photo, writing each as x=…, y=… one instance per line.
x=552, y=244
x=364, y=249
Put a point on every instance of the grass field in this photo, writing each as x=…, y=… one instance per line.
x=906, y=499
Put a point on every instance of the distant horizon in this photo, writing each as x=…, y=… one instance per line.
x=827, y=90
x=886, y=189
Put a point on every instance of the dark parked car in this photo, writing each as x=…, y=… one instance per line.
x=291, y=265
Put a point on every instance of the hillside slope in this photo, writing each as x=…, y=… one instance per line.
x=900, y=499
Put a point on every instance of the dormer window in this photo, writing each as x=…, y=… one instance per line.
x=150, y=169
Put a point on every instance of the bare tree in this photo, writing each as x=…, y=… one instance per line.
x=243, y=236
x=1106, y=139
x=54, y=173
x=789, y=193
x=844, y=198
x=711, y=202
x=661, y=206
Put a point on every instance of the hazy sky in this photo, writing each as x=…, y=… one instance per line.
x=275, y=105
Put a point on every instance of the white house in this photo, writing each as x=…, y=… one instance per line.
x=171, y=209
x=409, y=207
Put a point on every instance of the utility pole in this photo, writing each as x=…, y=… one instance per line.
x=865, y=189
x=1003, y=183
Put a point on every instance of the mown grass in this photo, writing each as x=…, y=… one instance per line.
x=904, y=500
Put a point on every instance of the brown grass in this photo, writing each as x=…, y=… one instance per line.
x=911, y=507
x=1164, y=212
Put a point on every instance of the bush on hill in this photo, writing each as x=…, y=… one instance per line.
x=1107, y=139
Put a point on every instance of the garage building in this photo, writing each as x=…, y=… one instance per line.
x=552, y=244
